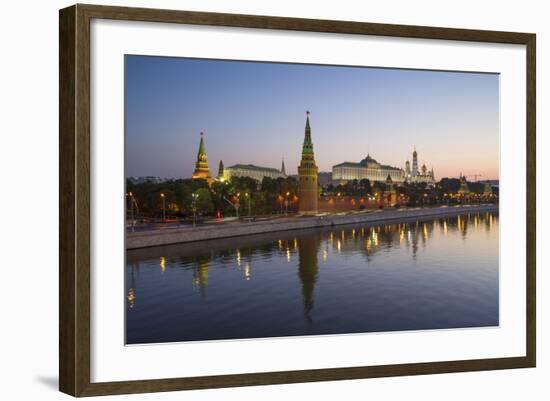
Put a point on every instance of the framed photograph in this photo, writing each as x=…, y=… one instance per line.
x=250, y=200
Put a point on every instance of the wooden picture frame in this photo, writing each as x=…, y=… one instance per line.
x=74, y=204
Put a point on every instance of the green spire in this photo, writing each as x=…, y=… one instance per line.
x=202, y=150
x=307, y=148
x=202, y=170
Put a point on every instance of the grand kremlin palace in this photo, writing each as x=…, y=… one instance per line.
x=252, y=171
x=367, y=168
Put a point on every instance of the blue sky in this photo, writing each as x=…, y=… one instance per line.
x=254, y=112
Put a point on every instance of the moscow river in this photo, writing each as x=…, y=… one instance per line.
x=433, y=274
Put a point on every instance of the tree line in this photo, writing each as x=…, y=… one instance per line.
x=183, y=197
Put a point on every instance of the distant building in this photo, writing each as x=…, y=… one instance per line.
x=307, y=176
x=151, y=179
x=487, y=188
x=249, y=170
x=324, y=178
x=463, y=189
x=202, y=171
x=369, y=169
x=415, y=175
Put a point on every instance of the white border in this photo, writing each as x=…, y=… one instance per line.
x=112, y=361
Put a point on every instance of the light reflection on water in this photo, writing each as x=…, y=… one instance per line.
x=420, y=275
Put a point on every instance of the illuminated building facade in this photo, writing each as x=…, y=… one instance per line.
x=369, y=169
x=249, y=170
x=415, y=175
x=307, y=176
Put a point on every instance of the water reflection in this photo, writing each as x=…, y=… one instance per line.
x=424, y=276
x=200, y=273
x=308, y=270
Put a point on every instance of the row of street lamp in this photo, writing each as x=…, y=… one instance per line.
x=235, y=204
x=194, y=197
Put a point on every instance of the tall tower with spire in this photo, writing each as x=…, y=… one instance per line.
x=220, y=170
x=414, y=172
x=307, y=173
x=283, y=170
x=202, y=171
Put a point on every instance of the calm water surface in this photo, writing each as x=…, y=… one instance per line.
x=421, y=275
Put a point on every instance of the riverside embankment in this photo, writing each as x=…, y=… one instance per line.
x=233, y=229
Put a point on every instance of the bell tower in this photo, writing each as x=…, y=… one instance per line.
x=415, y=163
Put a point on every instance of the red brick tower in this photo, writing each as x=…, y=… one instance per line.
x=307, y=172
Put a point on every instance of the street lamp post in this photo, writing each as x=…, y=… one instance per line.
x=286, y=203
x=163, y=207
x=194, y=198
x=132, y=209
x=236, y=205
x=249, y=200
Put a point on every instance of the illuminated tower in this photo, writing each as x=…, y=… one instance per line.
x=307, y=172
x=408, y=168
x=414, y=172
x=202, y=171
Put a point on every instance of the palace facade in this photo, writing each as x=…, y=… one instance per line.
x=250, y=170
x=369, y=169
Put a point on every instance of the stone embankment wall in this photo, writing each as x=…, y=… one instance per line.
x=225, y=230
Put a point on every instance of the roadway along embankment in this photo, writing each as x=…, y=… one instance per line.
x=225, y=230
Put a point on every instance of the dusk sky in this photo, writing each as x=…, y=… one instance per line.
x=254, y=113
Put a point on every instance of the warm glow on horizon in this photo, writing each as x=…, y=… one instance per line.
x=254, y=113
